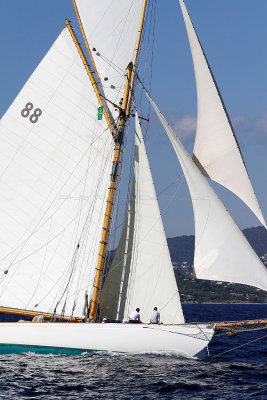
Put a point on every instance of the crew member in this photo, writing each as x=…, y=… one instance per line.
x=155, y=316
x=134, y=317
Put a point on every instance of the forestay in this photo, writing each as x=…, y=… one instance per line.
x=216, y=150
x=111, y=28
x=55, y=159
x=141, y=274
x=221, y=250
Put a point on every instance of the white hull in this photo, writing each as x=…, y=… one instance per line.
x=184, y=340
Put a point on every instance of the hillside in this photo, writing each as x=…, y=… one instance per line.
x=193, y=290
x=182, y=247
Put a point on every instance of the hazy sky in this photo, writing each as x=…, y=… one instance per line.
x=233, y=34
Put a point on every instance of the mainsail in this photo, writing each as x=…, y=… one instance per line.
x=221, y=250
x=111, y=28
x=141, y=274
x=216, y=150
x=55, y=161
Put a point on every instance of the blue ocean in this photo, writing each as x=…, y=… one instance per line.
x=237, y=374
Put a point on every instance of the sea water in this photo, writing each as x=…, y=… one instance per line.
x=238, y=374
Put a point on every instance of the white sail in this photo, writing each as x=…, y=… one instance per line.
x=221, y=250
x=216, y=150
x=111, y=28
x=144, y=265
x=55, y=159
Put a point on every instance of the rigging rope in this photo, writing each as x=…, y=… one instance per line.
x=235, y=331
x=238, y=347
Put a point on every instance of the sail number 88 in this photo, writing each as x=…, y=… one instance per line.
x=34, y=116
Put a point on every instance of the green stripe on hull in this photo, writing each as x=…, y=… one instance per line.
x=23, y=348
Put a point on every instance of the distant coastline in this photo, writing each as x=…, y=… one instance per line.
x=195, y=291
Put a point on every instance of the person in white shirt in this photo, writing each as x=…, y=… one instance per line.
x=134, y=317
x=155, y=316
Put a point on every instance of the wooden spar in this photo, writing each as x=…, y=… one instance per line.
x=93, y=81
x=226, y=325
x=85, y=40
x=124, y=114
x=26, y=313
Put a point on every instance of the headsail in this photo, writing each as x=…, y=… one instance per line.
x=55, y=159
x=216, y=150
x=142, y=264
x=221, y=250
x=111, y=28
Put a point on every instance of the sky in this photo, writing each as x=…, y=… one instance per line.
x=233, y=35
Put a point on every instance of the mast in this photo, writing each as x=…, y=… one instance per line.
x=124, y=114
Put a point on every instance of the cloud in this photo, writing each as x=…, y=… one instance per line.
x=261, y=123
x=259, y=127
x=184, y=126
x=248, y=130
x=238, y=119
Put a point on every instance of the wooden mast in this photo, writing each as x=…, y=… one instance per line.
x=124, y=114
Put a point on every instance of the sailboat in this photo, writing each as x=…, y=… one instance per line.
x=61, y=147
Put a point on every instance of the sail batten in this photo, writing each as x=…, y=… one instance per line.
x=222, y=252
x=141, y=274
x=216, y=148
